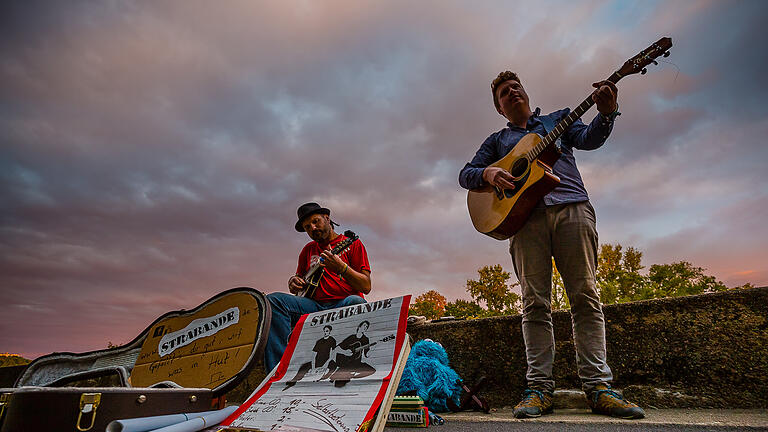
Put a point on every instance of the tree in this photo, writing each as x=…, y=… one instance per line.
x=431, y=304
x=618, y=280
x=608, y=271
x=464, y=309
x=7, y=359
x=680, y=279
x=618, y=275
x=633, y=285
x=559, y=296
x=493, y=290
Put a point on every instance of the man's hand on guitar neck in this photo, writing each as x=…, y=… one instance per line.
x=498, y=177
x=331, y=261
x=296, y=284
x=605, y=97
x=361, y=281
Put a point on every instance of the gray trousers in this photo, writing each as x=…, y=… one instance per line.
x=566, y=233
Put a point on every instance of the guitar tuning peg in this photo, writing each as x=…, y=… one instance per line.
x=642, y=72
x=666, y=54
x=655, y=62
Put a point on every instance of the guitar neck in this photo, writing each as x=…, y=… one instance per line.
x=370, y=344
x=315, y=272
x=565, y=123
x=336, y=251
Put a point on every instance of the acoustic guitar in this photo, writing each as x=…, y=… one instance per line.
x=315, y=273
x=501, y=213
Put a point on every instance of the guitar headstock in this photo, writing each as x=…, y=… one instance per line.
x=350, y=235
x=350, y=238
x=638, y=63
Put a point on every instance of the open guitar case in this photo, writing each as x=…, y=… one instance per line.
x=183, y=362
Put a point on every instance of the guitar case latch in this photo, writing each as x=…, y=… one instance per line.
x=5, y=400
x=89, y=403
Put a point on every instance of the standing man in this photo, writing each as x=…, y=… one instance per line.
x=345, y=281
x=561, y=226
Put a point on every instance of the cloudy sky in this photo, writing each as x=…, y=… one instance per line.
x=153, y=154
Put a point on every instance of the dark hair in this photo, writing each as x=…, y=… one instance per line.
x=364, y=322
x=328, y=327
x=503, y=76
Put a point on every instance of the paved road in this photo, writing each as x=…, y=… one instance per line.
x=568, y=427
x=683, y=420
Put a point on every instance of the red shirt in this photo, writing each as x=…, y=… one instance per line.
x=332, y=286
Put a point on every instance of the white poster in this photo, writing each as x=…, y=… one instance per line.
x=334, y=373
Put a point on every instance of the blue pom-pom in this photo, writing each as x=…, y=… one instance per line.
x=428, y=374
x=431, y=349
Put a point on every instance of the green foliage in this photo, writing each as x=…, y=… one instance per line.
x=464, y=309
x=619, y=279
x=7, y=359
x=618, y=275
x=492, y=289
x=431, y=304
x=681, y=279
x=559, y=297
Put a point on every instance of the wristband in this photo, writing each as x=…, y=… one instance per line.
x=612, y=116
x=346, y=267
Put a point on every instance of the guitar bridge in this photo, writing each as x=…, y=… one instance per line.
x=544, y=166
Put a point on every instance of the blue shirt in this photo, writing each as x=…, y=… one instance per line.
x=579, y=136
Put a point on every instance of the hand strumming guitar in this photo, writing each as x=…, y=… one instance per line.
x=498, y=177
x=296, y=284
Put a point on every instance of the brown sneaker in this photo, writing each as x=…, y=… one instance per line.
x=534, y=404
x=605, y=401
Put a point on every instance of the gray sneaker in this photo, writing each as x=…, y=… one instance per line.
x=534, y=404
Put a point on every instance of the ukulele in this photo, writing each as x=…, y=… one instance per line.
x=501, y=213
x=315, y=273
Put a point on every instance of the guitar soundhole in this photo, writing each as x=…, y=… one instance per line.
x=520, y=171
x=519, y=168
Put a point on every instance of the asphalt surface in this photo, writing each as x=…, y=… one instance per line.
x=683, y=420
x=566, y=427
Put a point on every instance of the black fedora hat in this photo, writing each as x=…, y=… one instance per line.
x=307, y=210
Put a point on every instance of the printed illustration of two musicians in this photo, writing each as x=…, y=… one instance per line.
x=348, y=362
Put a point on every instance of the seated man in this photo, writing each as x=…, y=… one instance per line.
x=345, y=280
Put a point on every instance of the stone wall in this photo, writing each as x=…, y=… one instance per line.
x=708, y=350
x=701, y=351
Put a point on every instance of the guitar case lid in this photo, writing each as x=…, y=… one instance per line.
x=212, y=346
